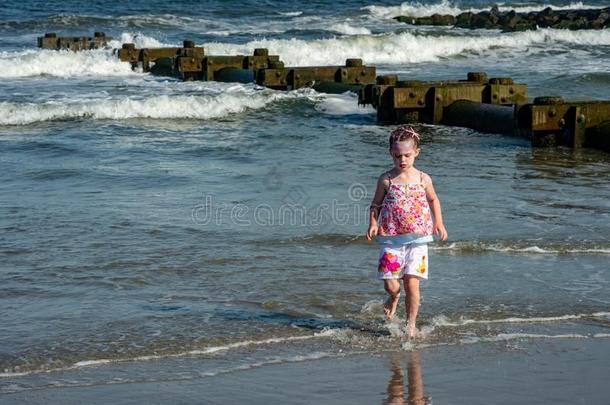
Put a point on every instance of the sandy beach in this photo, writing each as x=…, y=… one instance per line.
x=557, y=371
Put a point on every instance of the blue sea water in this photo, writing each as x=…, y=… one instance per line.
x=144, y=218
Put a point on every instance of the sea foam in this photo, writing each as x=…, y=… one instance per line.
x=525, y=248
x=347, y=29
x=342, y=104
x=440, y=320
x=326, y=333
x=389, y=48
x=157, y=107
x=407, y=47
x=140, y=41
x=416, y=9
x=62, y=64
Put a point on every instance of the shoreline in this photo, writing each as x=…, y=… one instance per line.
x=527, y=370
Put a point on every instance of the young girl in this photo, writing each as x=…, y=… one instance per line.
x=404, y=215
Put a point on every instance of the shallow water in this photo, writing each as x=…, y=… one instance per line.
x=146, y=218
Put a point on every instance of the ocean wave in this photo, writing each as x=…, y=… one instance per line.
x=413, y=9
x=432, y=336
x=156, y=107
x=441, y=331
x=373, y=307
x=135, y=21
x=342, y=104
x=502, y=337
x=13, y=388
x=360, y=336
x=345, y=28
x=277, y=23
x=147, y=22
x=55, y=21
x=407, y=47
x=416, y=9
x=525, y=247
x=62, y=64
x=595, y=78
x=320, y=239
x=290, y=13
x=161, y=20
x=189, y=353
x=505, y=337
x=140, y=41
x=205, y=351
x=441, y=320
x=390, y=48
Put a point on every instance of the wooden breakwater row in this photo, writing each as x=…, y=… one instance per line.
x=495, y=105
x=508, y=21
x=191, y=62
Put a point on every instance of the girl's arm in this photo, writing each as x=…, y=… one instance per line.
x=375, y=207
x=435, y=206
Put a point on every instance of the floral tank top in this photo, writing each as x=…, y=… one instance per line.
x=405, y=215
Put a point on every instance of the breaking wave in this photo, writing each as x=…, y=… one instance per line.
x=345, y=28
x=61, y=64
x=407, y=47
x=290, y=13
x=416, y=9
x=389, y=48
x=342, y=104
x=139, y=40
x=157, y=107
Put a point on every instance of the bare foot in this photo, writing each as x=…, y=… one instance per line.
x=389, y=306
x=411, y=330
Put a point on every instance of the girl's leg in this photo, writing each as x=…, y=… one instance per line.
x=392, y=287
x=411, y=303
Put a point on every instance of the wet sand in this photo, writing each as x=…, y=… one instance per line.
x=534, y=371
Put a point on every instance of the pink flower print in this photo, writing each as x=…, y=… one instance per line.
x=388, y=263
x=405, y=210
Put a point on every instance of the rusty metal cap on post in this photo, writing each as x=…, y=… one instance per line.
x=548, y=100
x=388, y=80
x=50, y=35
x=261, y=52
x=478, y=77
x=501, y=80
x=353, y=62
x=98, y=34
x=187, y=43
x=129, y=46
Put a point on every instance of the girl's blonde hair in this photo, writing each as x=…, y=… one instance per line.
x=404, y=133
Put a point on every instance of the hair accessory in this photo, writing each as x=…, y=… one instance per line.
x=404, y=132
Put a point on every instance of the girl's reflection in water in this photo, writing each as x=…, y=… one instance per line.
x=396, y=386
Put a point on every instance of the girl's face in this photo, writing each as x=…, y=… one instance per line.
x=404, y=154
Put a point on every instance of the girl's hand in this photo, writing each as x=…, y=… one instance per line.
x=371, y=232
x=439, y=229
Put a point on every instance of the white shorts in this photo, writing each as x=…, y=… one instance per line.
x=395, y=262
